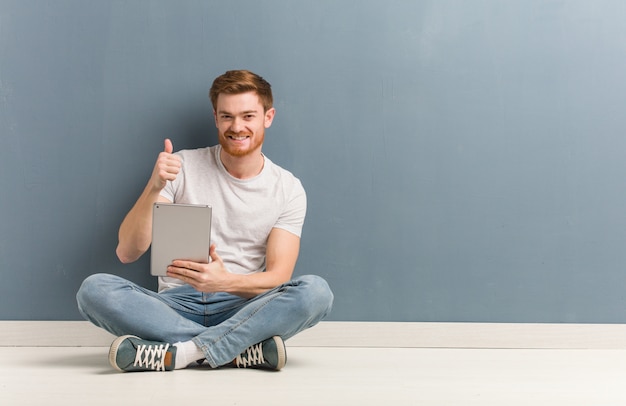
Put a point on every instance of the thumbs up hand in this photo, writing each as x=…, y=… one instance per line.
x=166, y=167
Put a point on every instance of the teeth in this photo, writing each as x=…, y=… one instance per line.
x=238, y=138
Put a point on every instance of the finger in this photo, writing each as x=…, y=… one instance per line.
x=169, y=147
x=169, y=172
x=179, y=273
x=186, y=273
x=181, y=265
x=173, y=161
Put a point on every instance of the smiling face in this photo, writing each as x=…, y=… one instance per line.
x=241, y=121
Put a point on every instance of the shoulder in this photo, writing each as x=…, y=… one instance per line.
x=282, y=175
x=196, y=154
x=197, y=159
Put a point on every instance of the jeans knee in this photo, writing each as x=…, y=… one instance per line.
x=318, y=297
x=92, y=291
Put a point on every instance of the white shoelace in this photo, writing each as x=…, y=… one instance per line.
x=151, y=356
x=253, y=356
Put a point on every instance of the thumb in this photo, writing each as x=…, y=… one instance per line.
x=213, y=254
x=169, y=148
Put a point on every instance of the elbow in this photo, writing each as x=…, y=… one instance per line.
x=123, y=256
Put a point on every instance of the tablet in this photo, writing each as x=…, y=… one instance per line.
x=179, y=231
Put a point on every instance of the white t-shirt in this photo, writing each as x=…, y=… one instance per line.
x=244, y=211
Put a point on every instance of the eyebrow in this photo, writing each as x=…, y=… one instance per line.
x=242, y=113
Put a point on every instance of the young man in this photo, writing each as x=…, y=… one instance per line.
x=238, y=308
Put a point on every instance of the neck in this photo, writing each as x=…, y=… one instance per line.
x=243, y=167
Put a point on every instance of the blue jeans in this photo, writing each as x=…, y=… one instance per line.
x=221, y=324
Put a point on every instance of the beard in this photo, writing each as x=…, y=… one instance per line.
x=254, y=143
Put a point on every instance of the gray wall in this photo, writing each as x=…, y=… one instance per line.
x=464, y=160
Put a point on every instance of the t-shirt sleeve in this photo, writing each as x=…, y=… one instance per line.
x=168, y=192
x=292, y=218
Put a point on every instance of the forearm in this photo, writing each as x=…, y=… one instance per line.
x=135, y=233
x=249, y=286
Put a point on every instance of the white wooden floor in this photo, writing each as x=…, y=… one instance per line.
x=326, y=376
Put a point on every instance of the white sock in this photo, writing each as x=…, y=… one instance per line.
x=187, y=353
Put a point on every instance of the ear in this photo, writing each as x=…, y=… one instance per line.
x=215, y=117
x=269, y=117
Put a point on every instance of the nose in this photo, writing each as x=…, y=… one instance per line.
x=236, y=125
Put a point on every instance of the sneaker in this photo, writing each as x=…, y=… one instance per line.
x=131, y=354
x=268, y=354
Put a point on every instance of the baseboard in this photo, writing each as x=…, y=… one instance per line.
x=359, y=334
